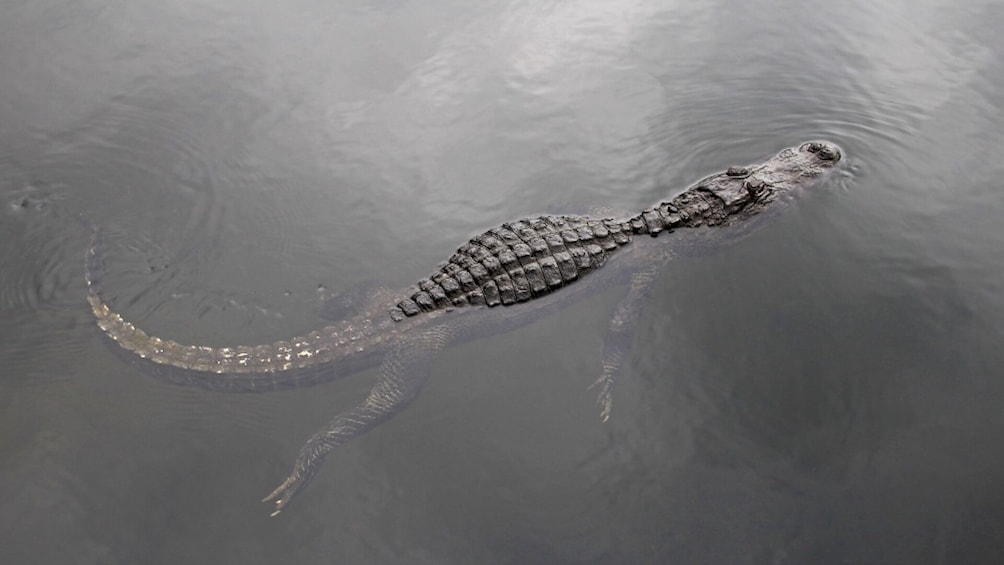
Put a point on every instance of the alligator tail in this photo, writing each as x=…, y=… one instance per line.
x=280, y=365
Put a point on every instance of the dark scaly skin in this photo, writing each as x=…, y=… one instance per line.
x=549, y=261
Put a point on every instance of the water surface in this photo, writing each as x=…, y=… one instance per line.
x=829, y=390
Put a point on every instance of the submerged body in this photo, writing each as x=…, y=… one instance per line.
x=499, y=280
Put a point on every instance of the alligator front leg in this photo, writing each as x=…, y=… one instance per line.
x=620, y=334
x=402, y=374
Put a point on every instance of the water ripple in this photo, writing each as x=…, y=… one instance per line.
x=37, y=246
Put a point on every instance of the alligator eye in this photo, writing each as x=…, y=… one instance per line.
x=737, y=172
x=754, y=187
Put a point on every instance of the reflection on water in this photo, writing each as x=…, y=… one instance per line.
x=827, y=390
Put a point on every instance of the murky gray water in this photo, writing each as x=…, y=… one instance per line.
x=829, y=390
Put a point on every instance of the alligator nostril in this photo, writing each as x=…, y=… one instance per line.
x=824, y=151
x=828, y=153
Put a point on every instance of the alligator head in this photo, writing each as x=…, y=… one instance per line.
x=746, y=191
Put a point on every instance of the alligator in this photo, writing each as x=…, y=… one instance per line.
x=501, y=279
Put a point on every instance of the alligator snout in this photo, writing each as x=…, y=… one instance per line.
x=825, y=150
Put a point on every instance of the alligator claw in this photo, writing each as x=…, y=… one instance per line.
x=606, y=396
x=283, y=493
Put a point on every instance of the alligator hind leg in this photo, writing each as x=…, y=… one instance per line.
x=620, y=333
x=404, y=371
